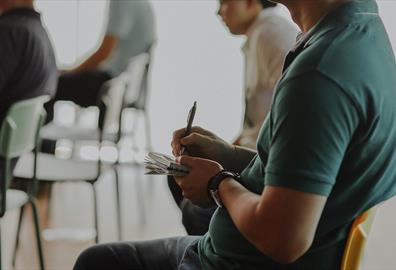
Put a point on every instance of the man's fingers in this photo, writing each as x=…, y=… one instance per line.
x=198, y=137
x=175, y=148
x=178, y=180
x=186, y=160
x=202, y=131
x=194, y=139
x=180, y=133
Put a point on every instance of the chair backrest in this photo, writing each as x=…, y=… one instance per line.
x=357, y=239
x=129, y=89
x=137, y=81
x=19, y=127
x=18, y=135
x=112, y=97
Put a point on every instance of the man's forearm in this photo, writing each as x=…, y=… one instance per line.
x=91, y=63
x=244, y=209
x=280, y=222
x=242, y=206
x=101, y=54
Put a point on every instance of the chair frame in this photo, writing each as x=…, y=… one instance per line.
x=8, y=127
x=357, y=239
x=139, y=105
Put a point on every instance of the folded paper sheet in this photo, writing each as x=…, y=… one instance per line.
x=161, y=164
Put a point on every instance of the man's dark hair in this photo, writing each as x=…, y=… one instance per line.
x=266, y=3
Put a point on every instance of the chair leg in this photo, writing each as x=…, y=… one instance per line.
x=48, y=210
x=95, y=202
x=141, y=202
x=1, y=258
x=148, y=132
x=118, y=201
x=16, y=246
x=134, y=131
x=38, y=236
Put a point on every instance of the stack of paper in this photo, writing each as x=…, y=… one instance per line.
x=157, y=163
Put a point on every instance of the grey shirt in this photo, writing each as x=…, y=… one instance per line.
x=27, y=61
x=133, y=23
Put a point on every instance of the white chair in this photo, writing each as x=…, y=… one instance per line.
x=18, y=137
x=129, y=90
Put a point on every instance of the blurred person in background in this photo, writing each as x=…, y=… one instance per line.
x=269, y=36
x=27, y=63
x=130, y=31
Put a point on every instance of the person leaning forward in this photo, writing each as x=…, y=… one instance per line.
x=325, y=155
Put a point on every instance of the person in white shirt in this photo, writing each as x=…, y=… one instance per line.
x=270, y=36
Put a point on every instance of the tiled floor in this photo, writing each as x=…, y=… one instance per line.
x=148, y=213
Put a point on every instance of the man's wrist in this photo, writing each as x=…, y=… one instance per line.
x=216, y=180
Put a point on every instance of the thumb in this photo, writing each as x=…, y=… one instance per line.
x=186, y=160
x=194, y=139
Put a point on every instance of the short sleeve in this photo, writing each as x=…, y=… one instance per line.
x=121, y=18
x=312, y=123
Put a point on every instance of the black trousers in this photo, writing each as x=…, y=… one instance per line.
x=177, y=253
x=81, y=88
x=195, y=219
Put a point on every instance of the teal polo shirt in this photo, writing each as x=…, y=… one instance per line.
x=331, y=131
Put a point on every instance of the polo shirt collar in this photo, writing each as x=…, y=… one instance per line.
x=342, y=15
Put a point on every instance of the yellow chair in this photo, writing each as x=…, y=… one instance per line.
x=358, y=235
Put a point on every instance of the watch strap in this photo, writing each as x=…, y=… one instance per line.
x=214, y=183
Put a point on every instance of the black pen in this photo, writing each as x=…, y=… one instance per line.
x=190, y=120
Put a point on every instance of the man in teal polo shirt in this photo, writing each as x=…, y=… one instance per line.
x=325, y=154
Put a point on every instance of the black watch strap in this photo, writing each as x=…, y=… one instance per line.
x=214, y=182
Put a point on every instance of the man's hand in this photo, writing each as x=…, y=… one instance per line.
x=204, y=144
x=201, y=143
x=195, y=184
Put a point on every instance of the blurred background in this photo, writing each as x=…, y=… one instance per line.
x=195, y=59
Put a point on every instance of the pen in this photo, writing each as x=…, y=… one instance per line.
x=190, y=120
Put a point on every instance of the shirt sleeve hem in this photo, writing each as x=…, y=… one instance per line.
x=299, y=182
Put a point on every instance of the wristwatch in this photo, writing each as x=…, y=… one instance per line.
x=214, y=183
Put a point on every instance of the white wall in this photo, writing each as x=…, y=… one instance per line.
x=387, y=11
x=196, y=59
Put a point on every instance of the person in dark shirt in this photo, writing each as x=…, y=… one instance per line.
x=27, y=60
x=325, y=154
